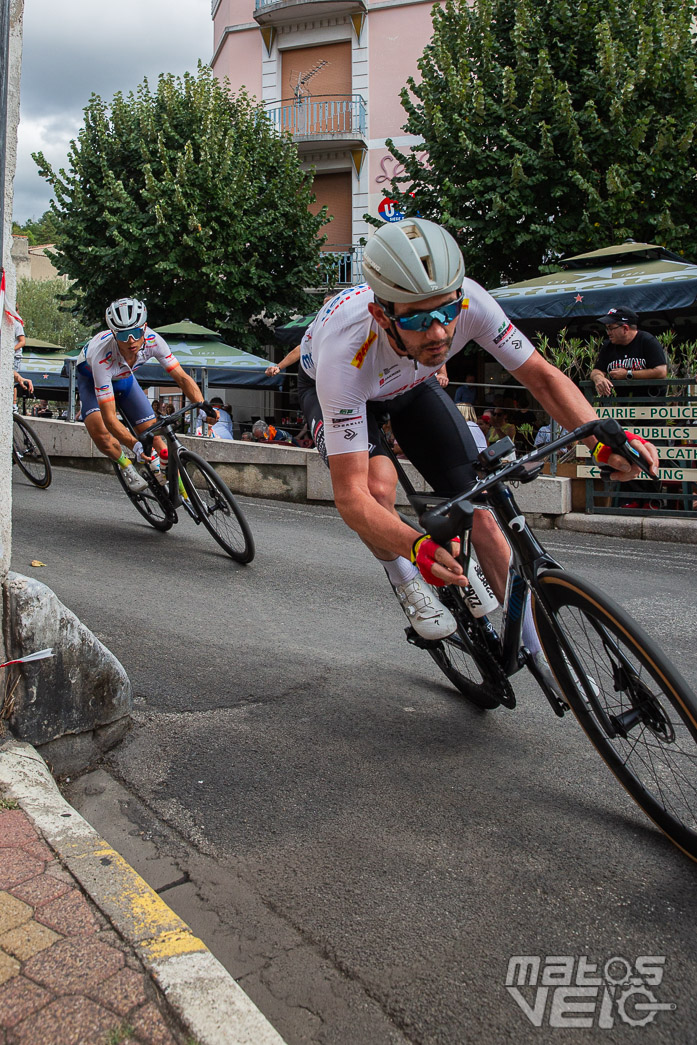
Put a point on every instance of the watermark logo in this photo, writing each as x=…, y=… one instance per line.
x=571, y=991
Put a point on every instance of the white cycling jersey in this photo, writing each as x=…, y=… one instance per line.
x=350, y=358
x=101, y=356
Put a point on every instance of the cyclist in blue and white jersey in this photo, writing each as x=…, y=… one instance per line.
x=105, y=378
x=381, y=344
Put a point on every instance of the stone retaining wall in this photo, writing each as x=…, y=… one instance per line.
x=284, y=473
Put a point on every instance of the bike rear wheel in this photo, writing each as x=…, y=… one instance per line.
x=636, y=710
x=29, y=454
x=217, y=508
x=152, y=502
x=466, y=659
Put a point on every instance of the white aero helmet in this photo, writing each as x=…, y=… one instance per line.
x=411, y=260
x=125, y=314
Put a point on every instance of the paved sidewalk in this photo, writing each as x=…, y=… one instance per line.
x=89, y=953
x=66, y=977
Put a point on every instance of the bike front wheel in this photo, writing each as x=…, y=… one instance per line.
x=29, y=454
x=152, y=502
x=217, y=508
x=467, y=659
x=636, y=710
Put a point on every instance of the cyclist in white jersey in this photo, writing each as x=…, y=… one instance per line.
x=382, y=343
x=105, y=376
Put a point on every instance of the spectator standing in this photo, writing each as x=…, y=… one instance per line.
x=628, y=353
x=470, y=416
x=20, y=341
x=544, y=434
x=43, y=409
x=222, y=429
x=500, y=426
x=467, y=393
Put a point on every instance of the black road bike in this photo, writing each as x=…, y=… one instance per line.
x=202, y=493
x=633, y=705
x=28, y=453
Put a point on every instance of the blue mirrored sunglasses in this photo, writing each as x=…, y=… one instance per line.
x=422, y=320
x=134, y=332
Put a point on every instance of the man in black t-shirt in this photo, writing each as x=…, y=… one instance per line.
x=637, y=355
x=628, y=353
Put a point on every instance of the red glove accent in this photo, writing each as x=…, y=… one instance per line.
x=601, y=451
x=423, y=555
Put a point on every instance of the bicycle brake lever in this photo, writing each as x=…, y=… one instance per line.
x=442, y=528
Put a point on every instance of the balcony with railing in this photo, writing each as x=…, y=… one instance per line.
x=272, y=12
x=341, y=264
x=337, y=120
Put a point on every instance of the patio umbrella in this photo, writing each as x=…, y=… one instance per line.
x=42, y=363
x=645, y=277
x=196, y=346
x=291, y=333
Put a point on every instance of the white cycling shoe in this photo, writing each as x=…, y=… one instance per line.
x=133, y=479
x=426, y=613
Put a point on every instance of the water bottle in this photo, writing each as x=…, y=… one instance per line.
x=479, y=596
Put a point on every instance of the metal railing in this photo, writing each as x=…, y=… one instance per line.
x=668, y=419
x=320, y=116
x=341, y=264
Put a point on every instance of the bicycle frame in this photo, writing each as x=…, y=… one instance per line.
x=528, y=556
x=163, y=428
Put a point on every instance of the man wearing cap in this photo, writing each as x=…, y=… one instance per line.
x=637, y=355
x=627, y=352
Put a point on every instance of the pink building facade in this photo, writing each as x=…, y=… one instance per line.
x=330, y=72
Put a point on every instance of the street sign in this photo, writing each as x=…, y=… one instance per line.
x=388, y=211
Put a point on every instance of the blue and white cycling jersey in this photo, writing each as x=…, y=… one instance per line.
x=102, y=359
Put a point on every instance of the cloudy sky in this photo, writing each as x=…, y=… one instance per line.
x=73, y=48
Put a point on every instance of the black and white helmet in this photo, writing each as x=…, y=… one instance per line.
x=411, y=260
x=125, y=314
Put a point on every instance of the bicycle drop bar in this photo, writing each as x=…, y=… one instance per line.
x=147, y=437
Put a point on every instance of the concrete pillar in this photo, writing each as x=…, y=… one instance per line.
x=11, y=14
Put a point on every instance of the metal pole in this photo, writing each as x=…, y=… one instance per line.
x=4, y=79
x=72, y=383
x=193, y=417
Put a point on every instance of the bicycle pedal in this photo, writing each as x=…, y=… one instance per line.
x=417, y=640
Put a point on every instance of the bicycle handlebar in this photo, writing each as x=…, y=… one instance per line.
x=453, y=518
x=147, y=437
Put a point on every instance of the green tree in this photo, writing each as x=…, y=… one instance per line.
x=37, y=232
x=187, y=198
x=51, y=313
x=554, y=127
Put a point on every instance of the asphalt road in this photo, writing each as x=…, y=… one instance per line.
x=364, y=851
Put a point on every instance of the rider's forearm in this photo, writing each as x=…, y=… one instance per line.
x=374, y=524
x=189, y=387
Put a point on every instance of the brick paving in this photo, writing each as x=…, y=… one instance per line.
x=66, y=977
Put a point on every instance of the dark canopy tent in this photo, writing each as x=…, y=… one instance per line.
x=42, y=363
x=657, y=284
x=292, y=333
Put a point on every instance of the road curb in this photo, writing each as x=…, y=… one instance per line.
x=205, y=997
